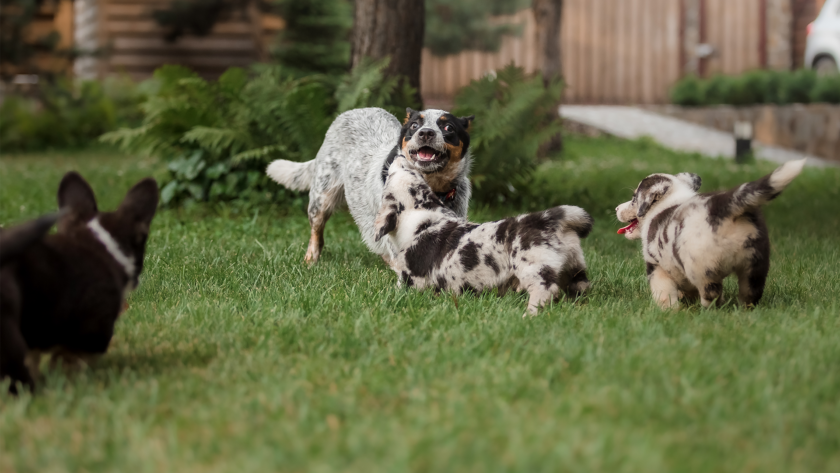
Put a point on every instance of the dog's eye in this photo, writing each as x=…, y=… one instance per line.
x=414, y=126
x=447, y=128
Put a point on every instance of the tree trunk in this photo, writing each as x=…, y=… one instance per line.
x=548, y=15
x=391, y=28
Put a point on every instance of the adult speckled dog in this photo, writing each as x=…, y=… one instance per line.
x=437, y=248
x=691, y=242
x=353, y=162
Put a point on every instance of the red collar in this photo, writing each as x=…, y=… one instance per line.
x=447, y=196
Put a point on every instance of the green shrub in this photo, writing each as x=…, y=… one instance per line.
x=218, y=137
x=796, y=87
x=756, y=87
x=66, y=114
x=688, y=92
x=505, y=146
x=827, y=89
x=716, y=90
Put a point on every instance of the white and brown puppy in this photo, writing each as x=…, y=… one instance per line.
x=691, y=242
x=353, y=161
x=436, y=248
x=63, y=293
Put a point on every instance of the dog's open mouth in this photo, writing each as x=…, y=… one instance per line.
x=425, y=154
x=629, y=228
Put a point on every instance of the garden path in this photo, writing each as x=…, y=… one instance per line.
x=632, y=122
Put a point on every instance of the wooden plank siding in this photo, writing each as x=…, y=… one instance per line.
x=129, y=40
x=614, y=51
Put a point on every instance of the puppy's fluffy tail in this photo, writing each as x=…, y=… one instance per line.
x=572, y=218
x=14, y=240
x=754, y=194
x=295, y=176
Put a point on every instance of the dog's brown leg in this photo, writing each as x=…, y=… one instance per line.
x=321, y=207
x=316, y=240
x=664, y=290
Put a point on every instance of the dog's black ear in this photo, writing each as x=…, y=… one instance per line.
x=408, y=113
x=386, y=222
x=141, y=201
x=466, y=122
x=75, y=194
x=647, y=202
x=691, y=179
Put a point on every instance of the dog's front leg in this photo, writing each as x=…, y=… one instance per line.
x=539, y=295
x=664, y=289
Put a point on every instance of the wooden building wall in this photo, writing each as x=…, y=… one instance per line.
x=631, y=51
x=129, y=40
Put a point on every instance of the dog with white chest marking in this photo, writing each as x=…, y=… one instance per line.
x=691, y=242
x=62, y=293
x=353, y=161
x=436, y=248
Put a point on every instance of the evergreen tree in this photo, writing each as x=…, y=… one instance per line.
x=316, y=37
x=452, y=27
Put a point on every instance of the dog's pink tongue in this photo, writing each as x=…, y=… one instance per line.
x=425, y=154
x=622, y=231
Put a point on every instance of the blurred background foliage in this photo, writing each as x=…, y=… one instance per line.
x=217, y=136
x=758, y=87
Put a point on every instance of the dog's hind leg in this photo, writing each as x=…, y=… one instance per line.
x=325, y=194
x=751, y=283
x=710, y=293
x=664, y=289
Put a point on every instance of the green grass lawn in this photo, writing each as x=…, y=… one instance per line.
x=235, y=357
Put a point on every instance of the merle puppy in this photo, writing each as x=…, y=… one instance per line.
x=435, y=247
x=353, y=162
x=63, y=293
x=691, y=242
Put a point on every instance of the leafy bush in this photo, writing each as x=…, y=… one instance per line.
x=796, y=87
x=689, y=91
x=505, y=147
x=66, y=114
x=756, y=87
x=827, y=89
x=219, y=136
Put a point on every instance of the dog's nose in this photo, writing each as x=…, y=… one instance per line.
x=426, y=134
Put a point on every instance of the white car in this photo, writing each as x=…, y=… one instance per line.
x=822, y=51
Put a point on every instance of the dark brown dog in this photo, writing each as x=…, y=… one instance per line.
x=63, y=293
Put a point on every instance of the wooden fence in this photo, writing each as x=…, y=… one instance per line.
x=618, y=51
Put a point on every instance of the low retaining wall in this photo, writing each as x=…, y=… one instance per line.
x=811, y=128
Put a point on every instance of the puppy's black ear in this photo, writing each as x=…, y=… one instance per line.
x=408, y=113
x=691, y=179
x=386, y=222
x=75, y=194
x=466, y=122
x=141, y=202
x=647, y=202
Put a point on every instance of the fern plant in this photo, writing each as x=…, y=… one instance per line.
x=505, y=147
x=218, y=137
